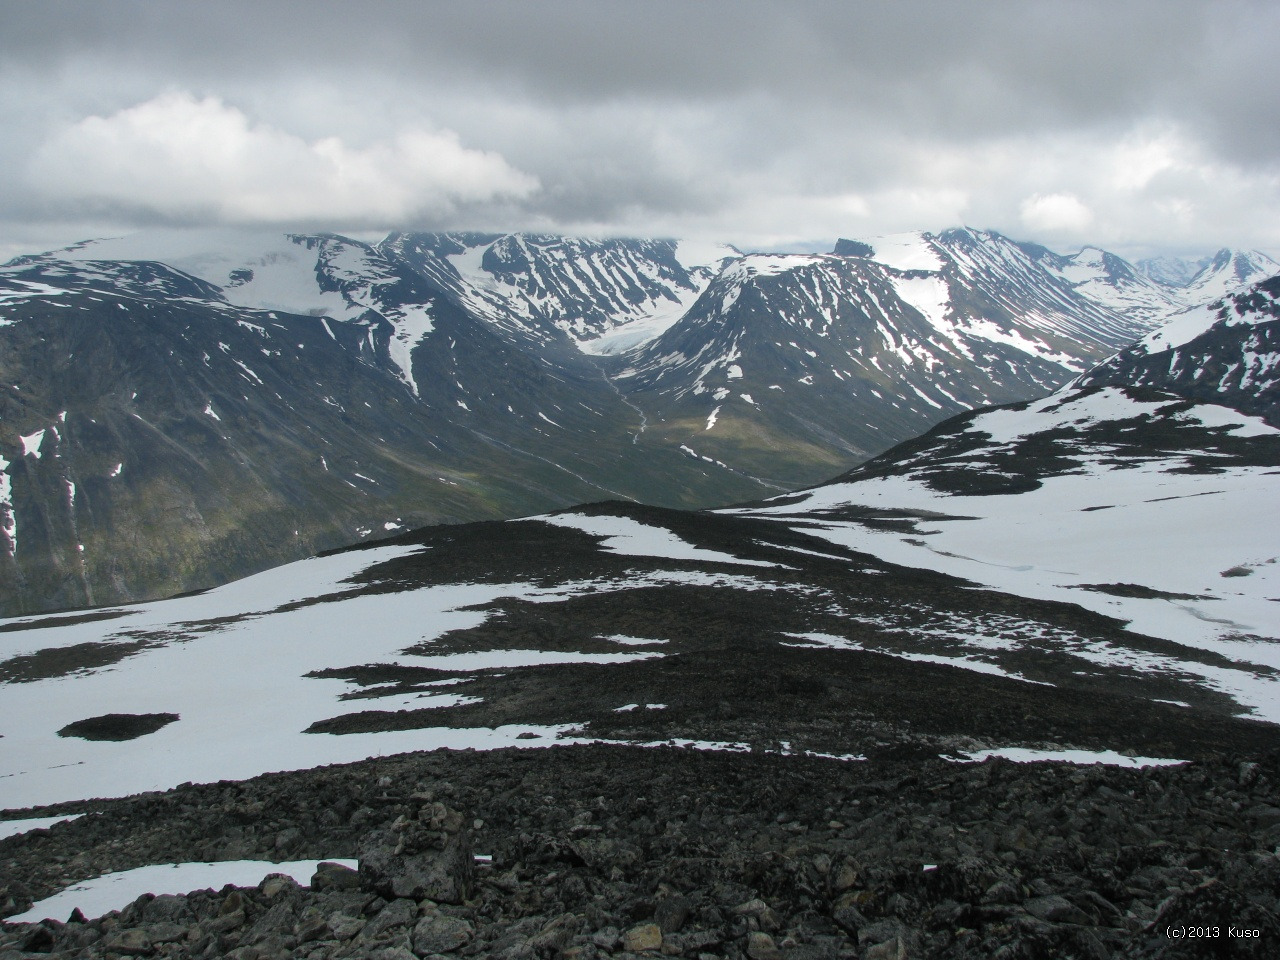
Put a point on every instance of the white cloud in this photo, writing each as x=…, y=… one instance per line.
x=181, y=158
x=1055, y=213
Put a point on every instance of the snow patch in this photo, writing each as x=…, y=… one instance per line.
x=1080, y=757
x=905, y=251
x=12, y=828
x=115, y=891
x=31, y=444
x=626, y=536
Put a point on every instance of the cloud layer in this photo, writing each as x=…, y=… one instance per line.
x=177, y=158
x=1140, y=126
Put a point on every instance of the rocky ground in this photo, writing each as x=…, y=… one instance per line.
x=600, y=851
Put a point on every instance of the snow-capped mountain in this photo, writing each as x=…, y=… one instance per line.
x=1201, y=281
x=164, y=430
x=1171, y=271
x=1227, y=272
x=1227, y=352
x=1112, y=282
x=244, y=399
x=603, y=295
x=788, y=363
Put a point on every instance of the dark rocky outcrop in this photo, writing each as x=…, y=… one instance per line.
x=594, y=852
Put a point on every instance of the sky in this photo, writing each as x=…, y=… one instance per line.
x=1142, y=127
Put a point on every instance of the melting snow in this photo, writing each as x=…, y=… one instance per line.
x=115, y=891
x=1082, y=757
x=633, y=641
x=1169, y=532
x=929, y=295
x=626, y=536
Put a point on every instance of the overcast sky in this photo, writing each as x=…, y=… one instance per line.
x=1138, y=126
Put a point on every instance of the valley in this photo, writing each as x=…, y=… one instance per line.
x=248, y=399
x=1005, y=683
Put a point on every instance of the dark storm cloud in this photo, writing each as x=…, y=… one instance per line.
x=658, y=114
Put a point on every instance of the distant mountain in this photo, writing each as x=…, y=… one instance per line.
x=162, y=431
x=1227, y=272
x=603, y=295
x=1171, y=271
x=1110, y=281
x=177, y=409
x=1198, y=282
x=1227, y=352
x=788, y=365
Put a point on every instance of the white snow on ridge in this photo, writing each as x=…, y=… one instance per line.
x=703, y=253
x=284, y=272
x=1183, y=327
x=32, y=289
x=626, y=536
x=772, y=264
x=905, y=251
x=1180, y=328
x=1111, y=403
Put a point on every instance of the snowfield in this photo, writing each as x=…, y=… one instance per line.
x=1189, y=557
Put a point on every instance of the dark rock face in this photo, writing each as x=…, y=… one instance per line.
x=428, y=856
x=759, y=856
x=852, y=248
x=118, y=726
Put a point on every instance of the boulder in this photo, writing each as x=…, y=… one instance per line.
x=427, y=857
x=441, y=934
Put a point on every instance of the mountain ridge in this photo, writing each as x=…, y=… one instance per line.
x=441, y=391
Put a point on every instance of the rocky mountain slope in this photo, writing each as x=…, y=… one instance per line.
x=729, y=855
x=813, y=703
x=1226, y=352
x=1017, y=578
x=787, y=362
x=1226, y=272
x=180, y=409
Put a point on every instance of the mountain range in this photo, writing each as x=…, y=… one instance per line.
x=177, y=410
x=1017, y=578
x=799, y=727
